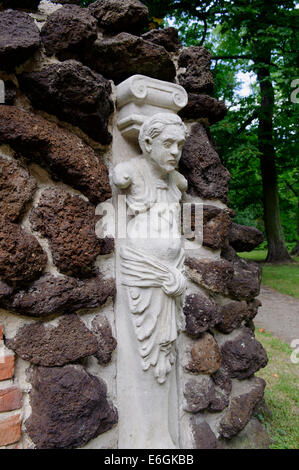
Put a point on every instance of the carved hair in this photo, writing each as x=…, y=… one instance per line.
x=156, y=124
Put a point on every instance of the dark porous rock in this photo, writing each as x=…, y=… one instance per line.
x=51, y=295
x=16, y=189
x=19, y=38
x=252, y=308
x=197, y=78
x=201, y=314
x=68, y=221
x=210, y=274
x=68, y=31
x=47, y=345
x=223, y=388
x=69, y=407
x=73, y=93
x=10, y=92
x=124, y=55
x=232, y=314
x=21, y=256
x=65, y=2
x=5, y=290
x=206, y=355
x=202, y=167
x=216, y=226
x=243, y=238
x=204, y=438
x=106, y=342
x=64, y=154
x=241, y=407
x=246, y=281
x=203, y=106
x=21, y=4
x=120, y=15
x=243, y=355
x=253, y=436
x=198, y=393
x=167, y=37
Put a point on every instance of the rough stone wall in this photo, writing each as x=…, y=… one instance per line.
x=60, y=64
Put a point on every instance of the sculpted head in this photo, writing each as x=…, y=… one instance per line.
x=161, y=139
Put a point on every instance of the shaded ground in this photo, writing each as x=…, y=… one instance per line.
x=278, y=314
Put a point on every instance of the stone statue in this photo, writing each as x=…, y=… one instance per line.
x=152, y=259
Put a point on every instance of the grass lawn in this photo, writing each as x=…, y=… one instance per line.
x=282, y=277
x=281, y=393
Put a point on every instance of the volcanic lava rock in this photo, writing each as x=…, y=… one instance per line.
x=198, y=393
x=206, y=355
x=68, y=222
x=21, y=4
x=202, y=167
x=68, y=31
x=21, y=256
x=216, y=226
x=69, y=407
x=56, y=294
x=243, y=238
x=232, y=315
x=201, y=314
x=212, y=275
x=203, y=106
x=64, y=154
x=167, y=37
x=106, y=342
x=243, y=355
x=197, y=78
x=120, y=15
x=10, y=91
x=17, y=188
x=204, y=438
x=73, y=93
x=19, y=38
x=49, y=346
x=241, y=407
x=124, y=55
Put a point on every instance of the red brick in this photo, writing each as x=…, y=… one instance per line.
x=7, y=366
x=10, y=430
x=10, y=399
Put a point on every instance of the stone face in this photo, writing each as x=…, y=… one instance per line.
x=243, y=355
x=204, y=438
x=246, y=281
x=201, y=165
x=197, y=78
x=16, y=189
x=69, y=223
x=243, y=238
x=124, y=55
x=19, y=38
x=106, y=342
x=201, y=314
x=69, y=407
x=203, y=106
x=216, y=226
x=241, y=408
x=120, y=15
x=51, y=295
x=167, y=37
x=232, y=314
x=10, y=399
x=21, y=256
x=199, y=393
x=68, y=31
x=73, y=93
x=206, y=355
x=212, y=275
x=10, y=430
x=64, y=154
x=50, y=346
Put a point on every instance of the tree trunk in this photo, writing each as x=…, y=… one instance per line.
x=277, y=251
x=295, y=250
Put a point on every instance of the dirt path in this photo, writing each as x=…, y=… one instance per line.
x=279, y=314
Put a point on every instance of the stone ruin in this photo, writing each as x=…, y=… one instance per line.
x=70, y=117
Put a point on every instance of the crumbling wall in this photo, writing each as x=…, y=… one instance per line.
x=60, y=65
